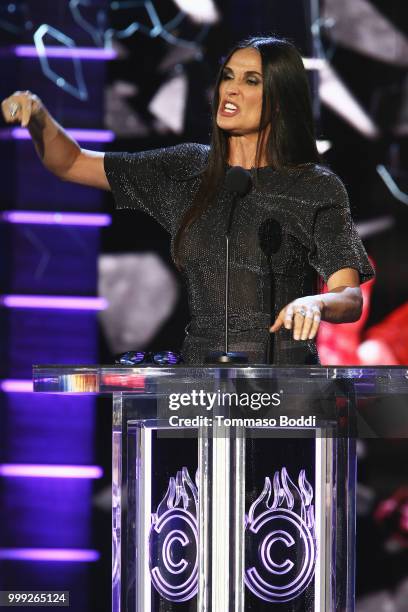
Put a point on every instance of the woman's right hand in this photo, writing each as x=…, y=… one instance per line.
x=21, y=107
x=59, y=153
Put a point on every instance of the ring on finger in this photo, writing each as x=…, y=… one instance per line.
x=301, y=312
x=14, y=107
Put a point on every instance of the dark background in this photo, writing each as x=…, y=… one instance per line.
x=45, y=260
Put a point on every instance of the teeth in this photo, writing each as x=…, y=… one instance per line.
x=230, y=106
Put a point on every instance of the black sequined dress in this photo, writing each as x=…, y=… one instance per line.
x=311, y=205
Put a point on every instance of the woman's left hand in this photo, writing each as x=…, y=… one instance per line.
x=303, y=316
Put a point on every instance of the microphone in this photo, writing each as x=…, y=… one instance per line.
x=238, y=180
x=237, y=183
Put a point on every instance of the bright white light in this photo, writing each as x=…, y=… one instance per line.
x=375, y=226
x=359, y=25
x=323, y=146
x=314, y=63
x=376, y=352
x=142, y=295
x=169, y=103
x=200, y=11
x=336, y=96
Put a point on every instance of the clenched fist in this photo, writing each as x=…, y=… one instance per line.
x=20, y=107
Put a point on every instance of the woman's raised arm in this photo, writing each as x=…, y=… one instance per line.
x=57, y=150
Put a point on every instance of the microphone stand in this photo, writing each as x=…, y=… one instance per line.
x=227, y=356
x=227, y=237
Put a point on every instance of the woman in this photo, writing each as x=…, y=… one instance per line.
x=292, y=225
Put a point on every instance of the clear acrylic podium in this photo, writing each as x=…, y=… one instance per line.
x=233, y=488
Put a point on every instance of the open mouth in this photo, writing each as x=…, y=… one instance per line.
x=228, y=109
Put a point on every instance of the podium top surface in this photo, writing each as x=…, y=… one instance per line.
x=145, y=378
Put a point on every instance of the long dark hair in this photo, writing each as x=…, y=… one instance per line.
x=286, y=105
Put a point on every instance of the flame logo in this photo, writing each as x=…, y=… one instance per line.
x=280, y=539
x=173, y=540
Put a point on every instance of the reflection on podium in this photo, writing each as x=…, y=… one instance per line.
x=234, y=487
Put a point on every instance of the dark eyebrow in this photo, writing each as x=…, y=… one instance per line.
x=246, y=72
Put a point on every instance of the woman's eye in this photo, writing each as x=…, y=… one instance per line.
x=226, y=76
x=253, y=81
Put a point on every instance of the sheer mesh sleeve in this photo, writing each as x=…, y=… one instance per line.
x=150, y=181
x=336, y=243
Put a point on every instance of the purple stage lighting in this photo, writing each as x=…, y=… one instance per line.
x=53, y=302
x=13, y=385
x=55, y=218
x=63, y=52
x=48, y=554
x=19, y=133
x=50, y=471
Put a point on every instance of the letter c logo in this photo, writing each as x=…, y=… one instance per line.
x=269, y=541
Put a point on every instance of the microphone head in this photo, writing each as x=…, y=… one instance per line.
x=238, y=181
x=270, y=236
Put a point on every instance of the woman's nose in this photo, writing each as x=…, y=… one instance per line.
x=232, y=89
